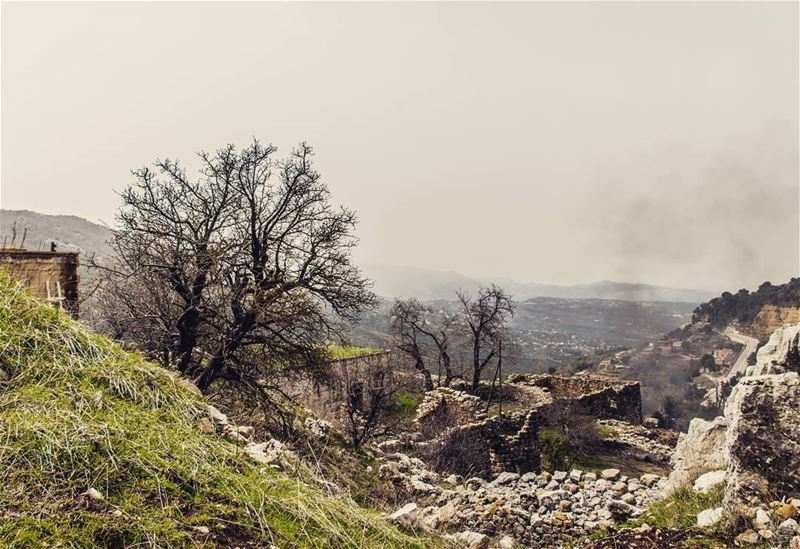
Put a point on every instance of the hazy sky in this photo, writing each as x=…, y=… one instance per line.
x=571, y=142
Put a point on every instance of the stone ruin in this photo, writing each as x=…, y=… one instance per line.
x=455, y=426
x=599, y=396
x=51, y=276
x=466, y=440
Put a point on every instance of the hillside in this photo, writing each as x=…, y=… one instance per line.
x=101, y=448
x=759, y=312
x=69, y=232
x=397, y=281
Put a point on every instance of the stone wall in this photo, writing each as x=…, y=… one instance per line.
x=487, y=447
x=52, y=276
x=326, y=396
x=601, y=397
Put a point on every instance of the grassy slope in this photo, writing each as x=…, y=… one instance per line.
x=80, y=413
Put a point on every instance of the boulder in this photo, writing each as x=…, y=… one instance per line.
x=406, y=515
x=699, y=450
x=621, y=511
x=505, y=478
x=273, y=453
x=506, y=542
x=707, y=481
x=709, y=517
x=748, y=537
x=763, y=439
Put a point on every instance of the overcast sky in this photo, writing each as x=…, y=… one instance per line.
x=566, y=143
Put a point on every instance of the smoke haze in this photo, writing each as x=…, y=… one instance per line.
x=556, y=143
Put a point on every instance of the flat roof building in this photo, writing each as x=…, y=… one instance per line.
x=51, y=276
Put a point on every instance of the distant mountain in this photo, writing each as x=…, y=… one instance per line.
x=69, y=232
x=396, y=281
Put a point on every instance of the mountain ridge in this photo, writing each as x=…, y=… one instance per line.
x=74, y=233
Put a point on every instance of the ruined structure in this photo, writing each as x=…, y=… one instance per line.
x=598, y=396
x=463, y=438
x=326, y=395
x=52, y=276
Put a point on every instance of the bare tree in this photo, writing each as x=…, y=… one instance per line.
x=369, y=397
x=485, y=317
x=240, y=270
x=416, y=327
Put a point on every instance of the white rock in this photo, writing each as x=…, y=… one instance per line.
x=419, y=486
x=700, y=449
x=453, y=480
x=506, y=542
x=788, y=527
x=94, y=494
x=406, y=515
x=762, y=517
x=505, y=478
x=559, y=476
x=576, y=474
x=709, y=517
x=707, y=481
x=473, y=540
x=609, y=474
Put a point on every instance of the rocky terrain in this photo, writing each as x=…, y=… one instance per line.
x=746, y=463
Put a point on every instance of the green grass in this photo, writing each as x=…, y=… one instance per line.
x=80, y=413
x=607, y=433
x=680, y=509
x=345, y=351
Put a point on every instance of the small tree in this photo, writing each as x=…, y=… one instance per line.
x=369, y=396
x=485, y=318
x=417, y=327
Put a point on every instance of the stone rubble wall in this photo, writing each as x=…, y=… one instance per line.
x=533, y=509
x=464, y=440
x=602, y=397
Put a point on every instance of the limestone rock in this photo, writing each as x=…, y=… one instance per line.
x=707, y=481
x=772, y=355
x=473, y=540
x=406, y=515
x=763, y=439
x=748, y=537
x=709, y=517
x=94, y=494
x=762, y=519
x=609, y=474
x=505, y=478
x=788, y=527
x=273, y=453
x=699, y=450
x=506, y=542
